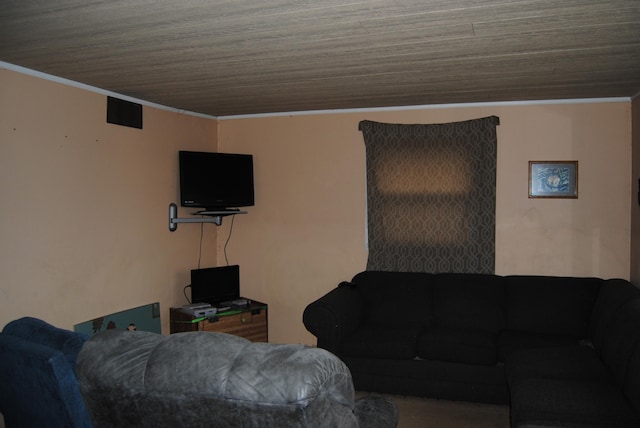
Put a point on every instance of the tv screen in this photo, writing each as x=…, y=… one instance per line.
x=215, y=285
x=216, y=181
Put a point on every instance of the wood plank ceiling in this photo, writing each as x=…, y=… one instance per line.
x=233, y=57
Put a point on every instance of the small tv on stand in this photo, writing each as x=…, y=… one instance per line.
x=215, y=285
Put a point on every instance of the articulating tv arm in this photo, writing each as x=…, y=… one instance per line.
x=214, y=217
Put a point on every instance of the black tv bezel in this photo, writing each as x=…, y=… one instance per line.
x=246, y=198
x=215, y=285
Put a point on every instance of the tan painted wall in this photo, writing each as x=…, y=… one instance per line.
x=84, y=214
x=84, y=203
x=307, y=230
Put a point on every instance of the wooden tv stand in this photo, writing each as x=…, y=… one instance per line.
x=250, y=322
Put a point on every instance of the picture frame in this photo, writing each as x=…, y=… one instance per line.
x=553, y=179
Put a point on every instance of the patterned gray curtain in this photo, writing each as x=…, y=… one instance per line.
x=431, y=192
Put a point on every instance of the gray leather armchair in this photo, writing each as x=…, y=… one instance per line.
x=204, y=379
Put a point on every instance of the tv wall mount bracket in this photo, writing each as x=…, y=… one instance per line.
x=207, y=217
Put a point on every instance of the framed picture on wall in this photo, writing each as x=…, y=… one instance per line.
x=553, y=179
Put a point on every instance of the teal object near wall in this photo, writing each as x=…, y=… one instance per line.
x=142, y=318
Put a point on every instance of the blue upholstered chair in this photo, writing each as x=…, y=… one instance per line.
x=37, y=368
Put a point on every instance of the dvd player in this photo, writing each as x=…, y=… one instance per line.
x=200, y=310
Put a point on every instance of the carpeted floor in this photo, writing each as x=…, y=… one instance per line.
x=417, y=412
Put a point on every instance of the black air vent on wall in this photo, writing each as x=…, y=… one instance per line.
x=125, y=113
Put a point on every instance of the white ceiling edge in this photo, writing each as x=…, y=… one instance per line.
x=97, y=90
x=435, y=106
x=75, y=84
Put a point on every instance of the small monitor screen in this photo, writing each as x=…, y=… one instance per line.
x=215, y=285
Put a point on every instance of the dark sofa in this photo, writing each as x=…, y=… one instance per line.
x=563, y=351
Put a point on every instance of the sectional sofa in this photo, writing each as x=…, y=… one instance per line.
x=562, y=351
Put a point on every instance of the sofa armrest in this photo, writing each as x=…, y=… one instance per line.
x=38, y=387
x=37, y=331
x=334, y=316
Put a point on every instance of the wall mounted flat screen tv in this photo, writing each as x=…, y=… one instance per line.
x=215, y=285
x=215, y=181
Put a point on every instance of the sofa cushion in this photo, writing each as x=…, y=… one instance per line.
x=383, y=342
x=550, y=305
x=285, y=373
x=430, y=378
x=621, y=340
x=472, y=301
x=396, y=297
x=564, y=403
x=458, y=346
x=510, y=341
x=570, y=363
x=632, y=382
x=613, y=294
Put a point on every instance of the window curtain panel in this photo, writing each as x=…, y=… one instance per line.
x=431, y=191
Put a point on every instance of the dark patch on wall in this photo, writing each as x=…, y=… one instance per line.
x=125, y=113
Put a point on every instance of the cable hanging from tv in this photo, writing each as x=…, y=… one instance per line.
x=214, y=216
